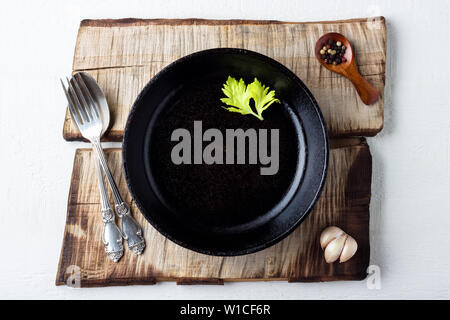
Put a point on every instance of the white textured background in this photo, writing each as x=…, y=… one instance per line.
x=410, y=210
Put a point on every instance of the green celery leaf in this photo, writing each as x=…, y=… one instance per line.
x=261, y=95
x=238, y=96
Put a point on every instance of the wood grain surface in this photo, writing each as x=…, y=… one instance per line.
x=123, y=55
x=344, y=202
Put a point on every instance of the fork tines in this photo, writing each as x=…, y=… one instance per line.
x=82, y=106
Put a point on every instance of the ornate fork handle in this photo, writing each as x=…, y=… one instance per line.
x=112, y=237
x=131, y=230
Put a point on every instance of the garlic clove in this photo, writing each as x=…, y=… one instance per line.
x=329, y=234
x=349, y=249
x=334, y=248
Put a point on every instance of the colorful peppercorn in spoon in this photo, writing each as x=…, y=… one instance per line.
x=347, y=66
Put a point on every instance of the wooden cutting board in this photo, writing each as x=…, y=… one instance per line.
x=344, y=202
x=123, y=55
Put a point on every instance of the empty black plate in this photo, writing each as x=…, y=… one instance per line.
x=224, y=209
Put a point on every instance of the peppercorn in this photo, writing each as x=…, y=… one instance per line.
x=333, y=52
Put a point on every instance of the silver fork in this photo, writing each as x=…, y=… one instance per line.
x=85, y=112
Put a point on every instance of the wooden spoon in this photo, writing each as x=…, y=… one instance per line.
x=368, y=93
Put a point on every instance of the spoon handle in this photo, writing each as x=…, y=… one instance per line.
x=368, y=93
x=131, y=230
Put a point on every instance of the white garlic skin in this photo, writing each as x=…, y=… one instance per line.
x=334, y=248
x=349, y=249
x=337, y=245
x=329, y=234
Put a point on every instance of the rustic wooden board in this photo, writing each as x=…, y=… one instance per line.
x=344, y=202
x=123, y=55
